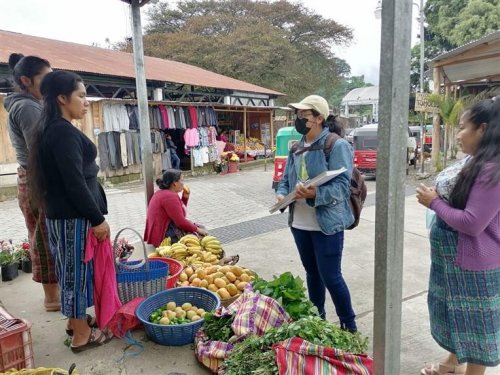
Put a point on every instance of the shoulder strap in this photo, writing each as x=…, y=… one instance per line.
x=331, y=138
x=329, y=143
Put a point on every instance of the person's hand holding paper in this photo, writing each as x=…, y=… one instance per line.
x=305, y=192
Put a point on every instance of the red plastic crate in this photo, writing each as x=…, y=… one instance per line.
x=16, y=349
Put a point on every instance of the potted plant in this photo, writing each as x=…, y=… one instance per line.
x=24, y=255
x=9, y=260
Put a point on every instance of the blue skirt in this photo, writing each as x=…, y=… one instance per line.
x=464, y=306
x=67, y=238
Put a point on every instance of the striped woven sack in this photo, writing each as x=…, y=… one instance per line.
x=297, y=356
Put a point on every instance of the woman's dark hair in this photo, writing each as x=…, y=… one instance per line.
x=28, y=66
x=53, y=85
x=334, y=126
x=169, y=177
x=488, y=151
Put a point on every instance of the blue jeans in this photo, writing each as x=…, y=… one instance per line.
x=176, y=162
x=321, y=256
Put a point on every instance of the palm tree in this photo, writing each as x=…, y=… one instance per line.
x=450, y=110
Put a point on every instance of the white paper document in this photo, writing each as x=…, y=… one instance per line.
x=316, y=181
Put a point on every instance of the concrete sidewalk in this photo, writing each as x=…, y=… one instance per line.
x=267, y=254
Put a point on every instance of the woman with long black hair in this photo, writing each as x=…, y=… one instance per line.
x=65, y=182
x=25, y=108
x=464, y=282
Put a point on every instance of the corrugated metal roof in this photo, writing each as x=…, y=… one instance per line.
x=486, y=39
x=477, y=61
x=82, y=58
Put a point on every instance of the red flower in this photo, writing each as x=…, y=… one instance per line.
x=26, y=246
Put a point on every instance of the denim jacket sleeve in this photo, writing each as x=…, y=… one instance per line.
x=284, y=185
x=338, y=189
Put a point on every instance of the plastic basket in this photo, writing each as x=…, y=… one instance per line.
x=16, y=349
x=179, y=334
x=174, y=269
x=139, y=278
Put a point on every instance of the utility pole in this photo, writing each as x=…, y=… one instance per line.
x=421, y=17
x=391, y=173
x=142, y=96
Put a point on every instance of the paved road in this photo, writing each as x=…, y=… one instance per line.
x=234, y=207
x=216, y=202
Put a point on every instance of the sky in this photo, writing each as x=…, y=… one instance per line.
x=94, y=21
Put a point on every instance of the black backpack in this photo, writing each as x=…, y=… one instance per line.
x=358, y=186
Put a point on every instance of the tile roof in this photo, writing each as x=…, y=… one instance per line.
x=88, y=59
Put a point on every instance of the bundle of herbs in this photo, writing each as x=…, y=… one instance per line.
x=255, y=355
x=290, y=293
x=218, y=328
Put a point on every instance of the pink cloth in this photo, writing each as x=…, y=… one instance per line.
x=191, y=137
x=106, y=300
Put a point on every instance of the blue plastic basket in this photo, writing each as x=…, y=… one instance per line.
x=178, y=334
x=139, y=278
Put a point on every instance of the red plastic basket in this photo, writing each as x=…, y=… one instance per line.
x=174, y=269
x=16, y=349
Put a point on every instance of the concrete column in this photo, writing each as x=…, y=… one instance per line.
x=391, y=172
x=142, y=99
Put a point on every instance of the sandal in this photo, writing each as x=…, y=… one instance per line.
x=444, y=369
x=103, y=338
x=91, y=321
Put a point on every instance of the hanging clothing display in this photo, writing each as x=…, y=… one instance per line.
x=192, y=130
x=133, y=116
x=116, y=117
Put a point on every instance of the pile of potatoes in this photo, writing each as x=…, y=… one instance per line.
x=172, y=314
x=226, y=281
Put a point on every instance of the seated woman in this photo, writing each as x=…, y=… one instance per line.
x=166, y=216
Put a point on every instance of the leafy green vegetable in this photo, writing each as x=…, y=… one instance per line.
x=218, y=328
x=255, y=355
x=290, y=293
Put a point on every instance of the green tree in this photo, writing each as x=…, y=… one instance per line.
x=280, y=45
x=452, y=23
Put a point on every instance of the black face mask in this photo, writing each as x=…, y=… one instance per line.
x=301, y=126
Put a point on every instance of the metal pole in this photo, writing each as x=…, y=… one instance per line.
x=422, y=125
x=245, y=133
x=142, y=100
x=391, y=172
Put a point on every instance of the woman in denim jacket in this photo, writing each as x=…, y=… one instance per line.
x=320, y=214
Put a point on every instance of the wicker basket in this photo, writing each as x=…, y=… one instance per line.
x=178, y=334
x=139, y=278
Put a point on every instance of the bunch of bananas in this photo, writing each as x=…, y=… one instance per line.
x=176, y=251
x=211, y=244
x=191, y=251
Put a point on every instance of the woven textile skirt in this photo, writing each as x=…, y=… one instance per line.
x=44, y=270
x=464, y=306
x=67, y=239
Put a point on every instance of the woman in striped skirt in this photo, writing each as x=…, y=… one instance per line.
x=464, y=284
x=25, y=109
x=65, y=177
